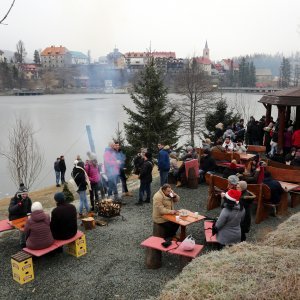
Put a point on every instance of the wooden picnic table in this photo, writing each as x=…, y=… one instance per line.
x=19, y=223
x=293, y=189
x=183, y=221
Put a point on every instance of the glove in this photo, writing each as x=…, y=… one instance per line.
x=214, y=230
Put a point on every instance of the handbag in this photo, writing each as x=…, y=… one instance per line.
x=188, y=244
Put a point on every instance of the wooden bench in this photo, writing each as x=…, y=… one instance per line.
x=155, y=243
x=263, y=201
x=214, y=196
x=256, y=149
x=4, y=225
x=280, y=174
x=209, y=238
x=58, y=244
x=276, y=164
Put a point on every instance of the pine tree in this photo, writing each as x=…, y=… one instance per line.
x=220, y=115
x=153, y=121
x=68, y=194
x=36, y=57
x=285, y=73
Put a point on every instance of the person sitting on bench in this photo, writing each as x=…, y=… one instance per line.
x=275, y=187
x=163, y=203
x=37, y=229
x=227, y=227
x=232, y=170
x=207, y=164
x=63, y=219
x=246, y=201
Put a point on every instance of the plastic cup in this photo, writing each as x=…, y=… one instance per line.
x=177, y=218
x=196, y=214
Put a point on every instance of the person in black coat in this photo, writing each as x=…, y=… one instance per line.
x=20, y=204
x=63, y=168
x=63, y=219
x=275, y=187
x=145, y=179
x=207, y=164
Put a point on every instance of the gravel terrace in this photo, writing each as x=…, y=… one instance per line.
x=114, y=265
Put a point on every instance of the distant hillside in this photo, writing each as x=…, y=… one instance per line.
x=10, y=55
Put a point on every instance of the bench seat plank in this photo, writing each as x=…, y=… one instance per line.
x=55, y=245
x=4, y=225
x=208, y=232
x=155, y=243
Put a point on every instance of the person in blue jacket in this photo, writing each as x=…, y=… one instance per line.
x=163, y=163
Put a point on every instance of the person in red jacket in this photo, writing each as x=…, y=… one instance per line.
x=296, y=139
x=37, y=228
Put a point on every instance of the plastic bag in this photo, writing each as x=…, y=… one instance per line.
x=188, y=244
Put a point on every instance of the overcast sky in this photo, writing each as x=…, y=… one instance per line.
x=231, y=27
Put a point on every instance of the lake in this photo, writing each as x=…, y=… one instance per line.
x=60, y=123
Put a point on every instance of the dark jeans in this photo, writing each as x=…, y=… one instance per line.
x=123, y=180
x=163, y=177
x=94, y=194
x=112, y=185
x=145, y=188
x=62, y=176
x=170, y=229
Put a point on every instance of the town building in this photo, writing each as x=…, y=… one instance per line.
x=2, y=57
x=116, y=59
x=30, y=71
x=56, y=57
x=78, y=58
x=204, y=61
x=263, y=77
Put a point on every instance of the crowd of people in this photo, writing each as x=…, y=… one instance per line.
x=100, y=181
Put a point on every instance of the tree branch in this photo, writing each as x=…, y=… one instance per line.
x=12, y=4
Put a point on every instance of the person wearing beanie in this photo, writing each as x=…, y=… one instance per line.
x=62, y=168
x=163, y=163
x=63, y=219
x=227, y=227
x=296, y=161
x=145, y=179
x=246, y=201
x=37, y=228
x=231, y=170
x=20, y=204
x=19, y=207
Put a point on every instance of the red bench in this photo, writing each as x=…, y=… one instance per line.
x=153, y=258
x=4, y=225
x=208, y=232
x=55, y=245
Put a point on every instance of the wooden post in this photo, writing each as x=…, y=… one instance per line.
x=297, y=120
x=281, y=116
x=268, y=114
x=287, y=114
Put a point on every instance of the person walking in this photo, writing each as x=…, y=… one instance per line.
x=57, y=171
x=145, y=179
x=62, y=168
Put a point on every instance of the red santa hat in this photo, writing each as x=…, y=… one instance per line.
x=233, y=195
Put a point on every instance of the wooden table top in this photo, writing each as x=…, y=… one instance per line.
x=246, y=156
x=287, y=186
x=19, y=223
x=184, y=220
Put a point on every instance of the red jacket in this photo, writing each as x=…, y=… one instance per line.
x=296, y=139
x=37, y=230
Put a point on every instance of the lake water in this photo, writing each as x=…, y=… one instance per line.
x=60, y=122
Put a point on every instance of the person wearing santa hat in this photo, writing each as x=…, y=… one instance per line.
x=228, y=227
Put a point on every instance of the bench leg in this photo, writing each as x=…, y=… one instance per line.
x=283, y=205
x=295, y=199
x=153, y=258
x=183, y=261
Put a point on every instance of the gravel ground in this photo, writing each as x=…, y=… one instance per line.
x=114, y=266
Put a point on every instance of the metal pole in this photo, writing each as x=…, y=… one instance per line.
x=90, y=137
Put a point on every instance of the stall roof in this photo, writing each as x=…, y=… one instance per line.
x=287, y=97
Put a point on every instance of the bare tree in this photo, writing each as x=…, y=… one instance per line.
x=6, y=15
x=199, y=98
x=20, y=54
x=25, y=159
x=243, y=107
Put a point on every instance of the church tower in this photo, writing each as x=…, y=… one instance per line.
x=206, y=51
